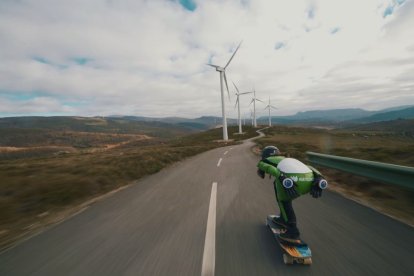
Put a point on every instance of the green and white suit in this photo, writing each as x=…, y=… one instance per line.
x=301, y=174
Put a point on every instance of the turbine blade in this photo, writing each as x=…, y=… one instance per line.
x=259, y=100
x=212, y=65
x=251, y=102
x=233, y=55
x=245, y=93
x=274, y=107
x=237, y=101
x=225, y=80
x=236, y=88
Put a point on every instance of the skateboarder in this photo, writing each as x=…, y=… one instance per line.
x=292, y=179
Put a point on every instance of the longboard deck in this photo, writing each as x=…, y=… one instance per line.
x=299, y=253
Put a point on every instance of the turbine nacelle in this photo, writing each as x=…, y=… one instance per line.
x=270, y=106
x=218, y=68
x=238, y=93
x=255, y=99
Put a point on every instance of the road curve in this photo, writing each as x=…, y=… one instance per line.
x=158, y=227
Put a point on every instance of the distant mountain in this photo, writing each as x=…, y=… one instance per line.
x=140, y=124
x=333, y=114
x=320, y=116
x=150, y=119
x=407, y=113
x=331, y=117
x=395, y=108
x=342, y=116
x=201, y=123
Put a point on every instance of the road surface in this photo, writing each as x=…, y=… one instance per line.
x=173, y=223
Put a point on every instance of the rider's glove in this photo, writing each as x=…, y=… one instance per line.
x=318, y=185
x=289, y=185
x=261, y=173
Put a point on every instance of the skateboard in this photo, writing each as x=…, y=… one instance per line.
x=293, y=253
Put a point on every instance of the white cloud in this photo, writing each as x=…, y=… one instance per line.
x=39, y=105
x=148, y=57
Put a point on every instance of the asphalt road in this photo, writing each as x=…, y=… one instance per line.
x=158, y=227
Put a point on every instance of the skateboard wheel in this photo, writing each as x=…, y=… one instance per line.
x=287, y=259
x=307, y=261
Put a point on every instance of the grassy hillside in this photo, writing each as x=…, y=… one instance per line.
x=376, y=146
x=404, y=127
x=90, y=124
x=35, y=191
x=20, y=137
x=23, y=137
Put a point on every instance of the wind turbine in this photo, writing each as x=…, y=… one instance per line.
x=254, y=99
x=222, y=71
x=238, y=105
x=269, y=106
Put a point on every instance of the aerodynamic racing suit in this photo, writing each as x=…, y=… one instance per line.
x=292, y=179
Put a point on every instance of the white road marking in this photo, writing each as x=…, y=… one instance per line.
x=231, y=148
x=209, y=254
x=219, y=162
x=226, y=152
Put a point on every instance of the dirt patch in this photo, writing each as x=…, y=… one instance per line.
x=13, y=149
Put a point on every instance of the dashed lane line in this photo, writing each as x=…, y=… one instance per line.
x=219, y=162
x=209, y=254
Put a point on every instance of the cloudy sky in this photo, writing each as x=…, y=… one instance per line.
x=148, y=57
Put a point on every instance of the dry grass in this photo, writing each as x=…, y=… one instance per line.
x=35, y=191
x=375, y=146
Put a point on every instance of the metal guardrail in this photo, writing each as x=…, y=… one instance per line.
x=383, y=172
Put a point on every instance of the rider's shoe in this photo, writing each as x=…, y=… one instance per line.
x=280, y=222
x=290, y=236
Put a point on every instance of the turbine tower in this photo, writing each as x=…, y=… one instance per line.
x=254, y=99
x=269, y=106
x=222, y=71
x=238, y=105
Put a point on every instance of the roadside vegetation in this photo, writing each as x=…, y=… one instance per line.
x=50, y=173
x=388, y=146
x=43, y=187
